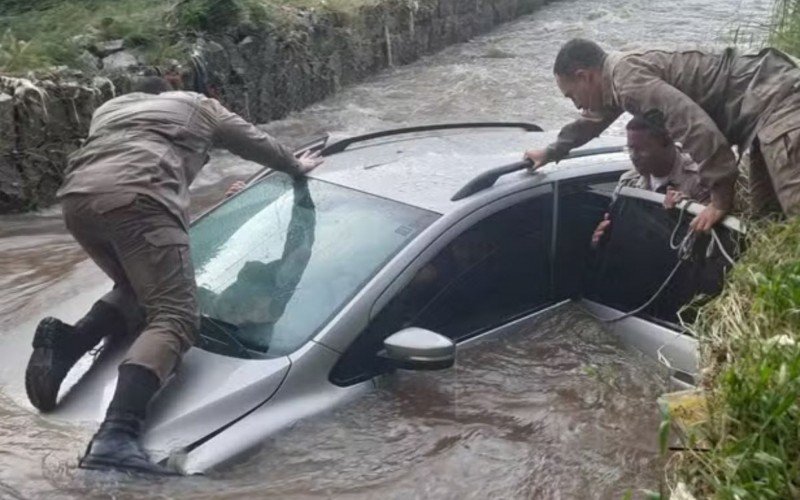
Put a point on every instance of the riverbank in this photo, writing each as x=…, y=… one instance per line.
x=262, y=58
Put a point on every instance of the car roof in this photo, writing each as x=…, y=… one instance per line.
x=425, y=169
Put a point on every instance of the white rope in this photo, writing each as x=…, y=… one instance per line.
x=650, y=301
x=720, y=246
x=684, y=251
x=713, y=242
x=672, y=243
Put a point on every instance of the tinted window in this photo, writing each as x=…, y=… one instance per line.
x=581, y=206
x=276, y=262
x=494, y=272
x=636, y=259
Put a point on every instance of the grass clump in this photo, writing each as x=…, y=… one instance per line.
x=216, y=15
x=45, y=34
x=750, y=350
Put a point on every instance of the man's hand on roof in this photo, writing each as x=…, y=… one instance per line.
x=537, y=156
x=309, y=161
x=235, y=188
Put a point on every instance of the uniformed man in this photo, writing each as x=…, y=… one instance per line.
x=660, y=165
x=125, y=199
x=711, y=101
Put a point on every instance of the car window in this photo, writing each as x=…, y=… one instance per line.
x=496, y=271
x=276, y=262
x=582, y=204
x=638, y=270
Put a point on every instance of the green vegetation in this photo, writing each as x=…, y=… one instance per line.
x=785, y=29
x=37, y=34
x=750, y=341
x=49, y=33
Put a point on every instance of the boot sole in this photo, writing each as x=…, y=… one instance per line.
x=45, y=372
x=100, y=464
x=38, y=381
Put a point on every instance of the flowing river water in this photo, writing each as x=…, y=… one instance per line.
x=559, y=411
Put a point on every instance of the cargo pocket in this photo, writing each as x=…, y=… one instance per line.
x=177, y=237
x=778, y=128
x=780, y=150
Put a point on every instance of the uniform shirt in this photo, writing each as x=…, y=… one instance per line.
x=156, y=144
x=684, y=177
x=710, y=101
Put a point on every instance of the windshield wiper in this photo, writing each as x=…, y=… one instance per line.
x=216, y=325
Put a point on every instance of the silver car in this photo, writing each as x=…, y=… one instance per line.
x=403, y=248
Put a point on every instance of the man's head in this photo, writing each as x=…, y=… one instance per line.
x=650, y=146
x=579, y=73
x=150, y=85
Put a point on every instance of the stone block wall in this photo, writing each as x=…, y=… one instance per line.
x=261, y=74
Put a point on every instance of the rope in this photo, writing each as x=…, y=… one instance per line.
x=684, y=251
x=646, y=304
x=715, y=238
x=672, y=243
x=713, y=242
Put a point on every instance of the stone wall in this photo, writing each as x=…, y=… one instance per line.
x=261, y=74
x=41, y=122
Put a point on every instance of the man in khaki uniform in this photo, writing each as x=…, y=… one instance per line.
x=659, y=164
x=711, y=101
x=125, y=199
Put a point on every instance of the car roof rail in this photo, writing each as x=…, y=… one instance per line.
x=339, y=146
x=487, y=179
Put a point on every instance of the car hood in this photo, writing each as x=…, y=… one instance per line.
x=207, y=393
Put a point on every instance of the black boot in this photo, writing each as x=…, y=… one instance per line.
x=57, y=346
x=116, y=446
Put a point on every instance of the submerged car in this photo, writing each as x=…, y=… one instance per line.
x=403, y=248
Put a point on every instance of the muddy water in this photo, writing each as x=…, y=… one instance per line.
x=558, y=411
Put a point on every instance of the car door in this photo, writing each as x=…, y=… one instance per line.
x=494, y=270
x=637, y=256
x=582, y=203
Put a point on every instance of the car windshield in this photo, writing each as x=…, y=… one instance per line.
x=276, y=262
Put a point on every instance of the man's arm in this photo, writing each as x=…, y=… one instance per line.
x=244, y=139
x=689, y=124
x=579, y=132
x=573, y=135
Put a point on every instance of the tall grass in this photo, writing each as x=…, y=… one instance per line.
x=785, y=26
x=750, y=350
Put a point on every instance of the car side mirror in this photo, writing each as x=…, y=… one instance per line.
x=418, y=349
